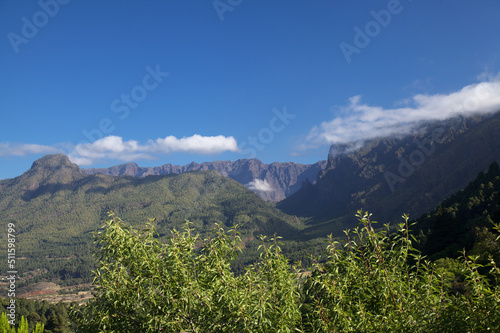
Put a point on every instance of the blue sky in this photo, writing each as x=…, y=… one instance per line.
x=158, y=82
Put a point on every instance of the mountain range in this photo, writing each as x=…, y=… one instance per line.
x=391, y=176
x=55, y=209
x=272, y=182
x=56, y=206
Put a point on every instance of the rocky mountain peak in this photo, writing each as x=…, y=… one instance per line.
x=54, y=168
x=52, y=161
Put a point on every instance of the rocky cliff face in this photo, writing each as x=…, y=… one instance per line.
x=272, y=182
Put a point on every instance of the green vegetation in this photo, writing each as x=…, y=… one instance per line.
x=464, y=220
x=5, y=326
x=49, y=318
x=148, y=286
x=374, y=281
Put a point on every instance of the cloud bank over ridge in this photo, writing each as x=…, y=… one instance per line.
x=360, y=122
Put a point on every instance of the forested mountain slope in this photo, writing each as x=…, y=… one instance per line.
x=55, y=208
x=464, y=220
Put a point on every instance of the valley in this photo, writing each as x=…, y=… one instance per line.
x=57, y=206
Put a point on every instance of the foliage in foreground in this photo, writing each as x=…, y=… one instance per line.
x=5, y=326
x=377, y=282
x=54, y=317
x=147, y=286
x=373, y=282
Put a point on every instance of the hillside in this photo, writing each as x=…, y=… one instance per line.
x=464, y=220
x=55, y=208
x=283, y=179
x=391, y=176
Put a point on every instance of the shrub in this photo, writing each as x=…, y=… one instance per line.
x=374, y=281
x=378, y=282
x=146, y=286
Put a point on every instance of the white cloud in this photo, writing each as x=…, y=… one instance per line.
x=361, y=122
x=196, y=144
x=23, y=149
x=260, y=185
x=109, y=147
x=115, y=148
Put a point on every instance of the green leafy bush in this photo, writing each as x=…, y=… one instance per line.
x=374, y=281
x=377, y=282
x=186, y=285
